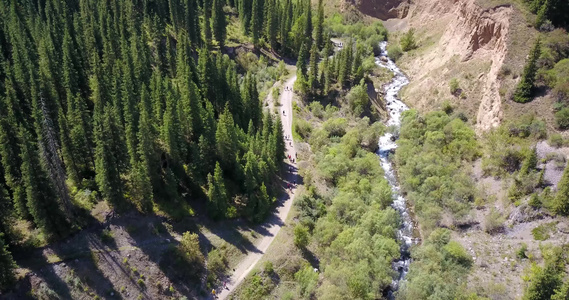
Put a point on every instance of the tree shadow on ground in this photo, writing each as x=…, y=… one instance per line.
x=70, y=267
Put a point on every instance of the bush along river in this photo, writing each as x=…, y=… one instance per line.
x=387, y=146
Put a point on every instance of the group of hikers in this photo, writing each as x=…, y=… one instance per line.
x=289, y=186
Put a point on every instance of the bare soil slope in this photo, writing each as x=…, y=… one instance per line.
x=467, y=40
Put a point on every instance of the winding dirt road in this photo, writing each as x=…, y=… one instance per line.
x=277, y=219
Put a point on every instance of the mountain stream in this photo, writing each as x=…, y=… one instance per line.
x=387, y=146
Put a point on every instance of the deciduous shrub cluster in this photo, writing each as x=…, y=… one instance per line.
x=430, y=158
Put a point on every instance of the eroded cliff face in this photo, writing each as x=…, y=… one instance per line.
x=471, y=48
x=383, y=9
x=457, y=39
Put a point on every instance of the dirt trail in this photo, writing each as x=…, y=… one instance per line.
x=277, y=220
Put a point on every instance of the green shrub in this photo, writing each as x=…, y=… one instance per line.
x=505, y=70
x=428, y=281
x=301, y=236
x=107, y=236
x=446, y=107
x=408, y=41
x=216, y=262
x=431, y=151
x=562, y=118
x=302, y=127
x=560, y=91
x=556, y=140
x=307, y=281
x=189, y=248
x=454, y=87
x=276, y=94
x=521, y=253
x=268, y=268
x=257, y=287
x=458, y=254
x=534, y=201
x=358, y=99
x=317, y=109
x=394, y=52
x=543, y=231
x=494, y=221
x=542, y=282
x=282, y=70
x=527, y=126
x=336, y=127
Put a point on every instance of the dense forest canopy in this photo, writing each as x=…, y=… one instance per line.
x=133, y=102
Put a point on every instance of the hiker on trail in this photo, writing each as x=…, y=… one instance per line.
x=213, y=293
x=225, y=284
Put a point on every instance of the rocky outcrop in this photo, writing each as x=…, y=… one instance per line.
x=384, y=9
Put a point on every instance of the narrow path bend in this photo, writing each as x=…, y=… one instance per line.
x=277, y=219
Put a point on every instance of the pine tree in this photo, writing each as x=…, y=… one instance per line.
x=280, y=143
x=217, y=195
x=206, y=142
x=256, y=21
x=106, y=163
x=319, y=28
x=130, y=111
x=226, y=139
x=285, y=25
x=561, y=202
x=157, y=95
x=301, y=62
x=207, y=5
x=79, y=124
x=313, y=74
x=145, y=170
x=524, y=90
x=357, y=68
x=308, y=25
x=10, y=155
x=345, y=65
x=326, y=72
x=70, y=73
x=542, y=14
x=170, y=133
x=192, y=21
x=272, y=23
x=173, y=8
x=207, y=72
x=40, y=195
x=245, y=9
x=529, y=163
x=250, y=170
x=7, y=266
x=219, y=22
x=49, y=147
x=7, y=216
x=67, y=150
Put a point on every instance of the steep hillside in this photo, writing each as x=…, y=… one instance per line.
x=463, y=40
x=469, y=60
